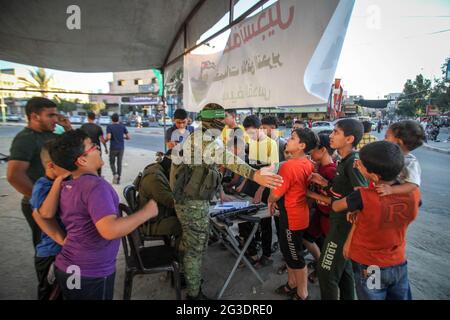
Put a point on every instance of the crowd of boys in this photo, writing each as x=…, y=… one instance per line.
x=350, y=209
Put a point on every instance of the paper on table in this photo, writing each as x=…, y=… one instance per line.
x=231, y=205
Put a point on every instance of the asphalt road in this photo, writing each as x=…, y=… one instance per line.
x=435, y=166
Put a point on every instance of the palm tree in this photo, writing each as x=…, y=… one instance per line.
x=41, y=81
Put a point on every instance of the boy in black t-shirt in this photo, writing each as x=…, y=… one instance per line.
x=335, y=273
x=95, y=132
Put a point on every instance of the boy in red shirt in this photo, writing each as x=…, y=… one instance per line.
x=327, y=169
x=294, y=211
x=376, y=244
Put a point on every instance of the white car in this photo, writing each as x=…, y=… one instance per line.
x=75, y=120
x=104, y=120
x=168, y=122
x=319, y=126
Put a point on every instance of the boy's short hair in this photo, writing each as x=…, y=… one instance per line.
x=251, y=121
x=300, y=122
x=180, y=114
x=91, y=115
x=410, y=132
x=383, y=158
x=36, y=104
x=67, y=148
x=115, y=117
x=367, y=126
x=45, y=152
x=308, y=137
x=324, y=142
x=351, y=127
x=231, y=111
x=270, y=121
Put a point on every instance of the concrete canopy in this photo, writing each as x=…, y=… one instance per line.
x=114, y=35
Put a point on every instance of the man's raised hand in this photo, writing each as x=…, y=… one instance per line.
x=266, y=178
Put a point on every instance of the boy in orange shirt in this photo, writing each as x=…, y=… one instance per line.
x=376, y=244
x=294, y=211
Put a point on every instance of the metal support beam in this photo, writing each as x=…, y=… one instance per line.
x=183, y=27
x=231, y=11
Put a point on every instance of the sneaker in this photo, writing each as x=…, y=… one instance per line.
x=115, y=179
x=295, y=296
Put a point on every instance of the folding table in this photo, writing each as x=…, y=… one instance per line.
x=219, y=228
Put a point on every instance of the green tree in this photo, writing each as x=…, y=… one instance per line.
x=40, y=81
x=440, y=95
x=94, y=107
x=65, y=105
x=415, y=97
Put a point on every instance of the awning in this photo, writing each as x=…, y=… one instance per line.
x=117, y=35
x=114, y=35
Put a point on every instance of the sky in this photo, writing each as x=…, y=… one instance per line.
x=387, y=42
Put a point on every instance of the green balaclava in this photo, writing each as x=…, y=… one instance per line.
x=212, y=116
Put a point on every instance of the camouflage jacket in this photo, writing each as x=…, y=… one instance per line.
x=207, y=149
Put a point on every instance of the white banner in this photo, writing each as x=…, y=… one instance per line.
x=285, y=55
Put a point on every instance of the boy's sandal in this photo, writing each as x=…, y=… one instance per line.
x=295, y=296
x=285, y=290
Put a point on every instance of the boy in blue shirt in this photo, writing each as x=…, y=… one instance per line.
x=44, y=202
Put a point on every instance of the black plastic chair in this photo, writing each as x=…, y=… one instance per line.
x=147, y=260
x=130, y=195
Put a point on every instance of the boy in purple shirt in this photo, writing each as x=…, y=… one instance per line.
x=89, y=208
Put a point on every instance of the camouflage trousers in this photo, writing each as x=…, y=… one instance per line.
x=194, y=218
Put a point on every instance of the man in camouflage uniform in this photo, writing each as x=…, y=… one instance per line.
x=195, y=179
x=153, y=183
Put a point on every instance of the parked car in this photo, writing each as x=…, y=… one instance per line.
x=321, y=126
x=76, y=120
x=145, y=122
x=104, y=120
x=131, y=122
x=168, y=122
x=13, y=118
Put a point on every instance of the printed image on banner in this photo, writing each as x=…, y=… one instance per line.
x=285, y=55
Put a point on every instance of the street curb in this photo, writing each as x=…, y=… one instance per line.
x=20, y=124
x=436, y=149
